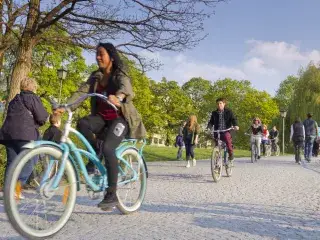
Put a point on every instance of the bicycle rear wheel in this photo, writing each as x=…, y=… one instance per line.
x=216, y=165
x=228, y=166
x=268, y=150
x=131, y=192
x=277, y=152
x=35, y=210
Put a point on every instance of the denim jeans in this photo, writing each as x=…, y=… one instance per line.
x=13, y=148
x=298, y=145
x=308, y=147
x=189, y=150
x=179, y=154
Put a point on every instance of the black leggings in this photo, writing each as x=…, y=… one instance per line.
x=91, y=125
x=189, y=149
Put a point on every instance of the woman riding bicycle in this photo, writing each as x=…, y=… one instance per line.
x=256, y=131
x=110, y=80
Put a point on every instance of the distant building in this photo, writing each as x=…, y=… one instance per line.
x=157, y=140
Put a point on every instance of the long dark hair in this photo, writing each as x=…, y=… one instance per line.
x=113, y=54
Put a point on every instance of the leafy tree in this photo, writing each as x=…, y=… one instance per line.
x=150, y=25
x=306, y=94
x=197, y=88
x=285, y=92
x=170, y=106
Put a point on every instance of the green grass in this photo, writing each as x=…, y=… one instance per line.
x=153, y=153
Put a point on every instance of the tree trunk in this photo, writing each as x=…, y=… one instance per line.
x=22, y=64
x=21, y=68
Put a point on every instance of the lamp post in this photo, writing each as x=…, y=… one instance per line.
x=62, y=74
x=283, y=114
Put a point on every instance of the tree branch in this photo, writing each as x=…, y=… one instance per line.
x=49, y=20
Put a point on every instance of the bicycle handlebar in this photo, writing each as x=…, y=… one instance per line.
x=225, y=130
x=254, y=135
x=56, y=105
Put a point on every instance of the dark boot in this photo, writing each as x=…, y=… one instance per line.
x=110, y=200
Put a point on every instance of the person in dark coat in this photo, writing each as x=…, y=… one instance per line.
x=25, y=115
x=297, y=136
x=222, y=119
x=53, y=133
x=179, y=141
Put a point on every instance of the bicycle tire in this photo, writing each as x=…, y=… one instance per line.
x=216, y=165
x=9, y=193
x=228, y=168
x=253, y=153
x=142, y=177
x=277, y=152
x=268, y=150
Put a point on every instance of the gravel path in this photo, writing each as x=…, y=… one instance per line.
x=272, y=199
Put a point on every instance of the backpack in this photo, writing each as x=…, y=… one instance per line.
x=179, y=141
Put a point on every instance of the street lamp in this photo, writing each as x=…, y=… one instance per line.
x=62, y=74
x=283, y=114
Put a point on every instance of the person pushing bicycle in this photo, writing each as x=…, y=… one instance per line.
x=221, y=119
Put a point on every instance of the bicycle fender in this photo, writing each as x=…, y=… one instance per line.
x=121, y=149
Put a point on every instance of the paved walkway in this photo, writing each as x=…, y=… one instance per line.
x=272, y=199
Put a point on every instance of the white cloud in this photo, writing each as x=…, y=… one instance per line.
x=265, y=64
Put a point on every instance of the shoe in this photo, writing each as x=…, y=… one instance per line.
x=194, y=162
x=110, y=200
x=19, y=196
x=259, y=157
x=231, y=157
x=188, y=164
x=108, y=209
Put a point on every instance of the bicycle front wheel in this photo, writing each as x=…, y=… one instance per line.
x=34, y=209
x=228, y=167
x=277, y=152
x=131, y=191
x=216, y=165
x=253, y=152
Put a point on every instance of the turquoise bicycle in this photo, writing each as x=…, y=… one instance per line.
x=42, y=207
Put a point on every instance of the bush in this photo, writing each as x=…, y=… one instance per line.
x=3, y=161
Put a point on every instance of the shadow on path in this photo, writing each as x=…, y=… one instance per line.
x=264, y=220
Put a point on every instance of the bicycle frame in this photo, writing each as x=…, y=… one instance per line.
x=70, y=148
x=221, y=144
x=67, y=147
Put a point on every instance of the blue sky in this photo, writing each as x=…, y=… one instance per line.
x=259, y=40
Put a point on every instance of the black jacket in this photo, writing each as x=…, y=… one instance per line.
x=52, y=134
x=297, y=131
x=25, y=114
x=229, y=118
x=274, y=134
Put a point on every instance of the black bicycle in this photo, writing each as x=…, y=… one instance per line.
x=220, y=152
